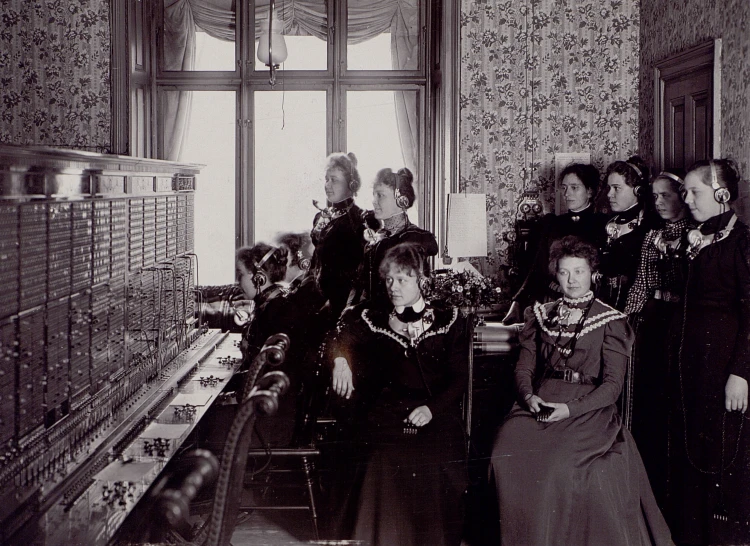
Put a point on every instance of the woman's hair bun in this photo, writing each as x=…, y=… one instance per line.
x=406, y=174
x=353, y=158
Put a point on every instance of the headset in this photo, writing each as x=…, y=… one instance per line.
x=639, y=189
x=423, y=274
x=260, y=277
x=672, y=176
x=721, y=194
x=401, y=200
x=302, y=262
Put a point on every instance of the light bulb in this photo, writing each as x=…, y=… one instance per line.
x=278, y=45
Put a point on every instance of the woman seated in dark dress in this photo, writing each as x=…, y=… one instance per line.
x=654, y=308
x=579, y=184
x=627, y=192
x=337, y=233
x=260, y=269
x=388, y=225
x=410, y=361
x=709, y=472
x=566, y=469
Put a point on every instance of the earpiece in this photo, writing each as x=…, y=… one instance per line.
x=721, y=194
x=401, y=200
x=260, y=277
x=353, y=185
x=424, y=284
x=638, y=191
x=302, y=262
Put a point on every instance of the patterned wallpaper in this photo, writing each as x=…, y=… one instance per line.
x=670, y=26
x=540, y=77
x=54, y=73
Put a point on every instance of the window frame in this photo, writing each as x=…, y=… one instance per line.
x=437, y=164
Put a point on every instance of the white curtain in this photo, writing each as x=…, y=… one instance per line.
x=367, y=19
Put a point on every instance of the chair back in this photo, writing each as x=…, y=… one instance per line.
x=262, y=399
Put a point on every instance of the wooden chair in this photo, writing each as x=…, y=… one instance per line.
x=261, y=399
x=295, y=460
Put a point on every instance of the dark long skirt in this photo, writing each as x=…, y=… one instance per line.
x=411, y=493
x=710, y=454
x=578, y=482
x=654, y=354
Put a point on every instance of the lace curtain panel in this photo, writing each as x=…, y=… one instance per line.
x=367, y=19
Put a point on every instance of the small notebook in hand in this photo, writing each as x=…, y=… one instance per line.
x=544, y=412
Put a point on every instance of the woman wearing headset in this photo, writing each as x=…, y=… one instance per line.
x=260, y=269
x=409, y=361
x=655, y=306
x=709, y=472
x=579, y=183
x=388, y=225
x=337, y=233
x=627, y=188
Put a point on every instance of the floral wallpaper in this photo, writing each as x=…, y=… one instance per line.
x=540, y=77
x=54, y=73
x=671, y=26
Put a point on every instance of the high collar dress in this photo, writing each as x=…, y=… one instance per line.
x=579, y=481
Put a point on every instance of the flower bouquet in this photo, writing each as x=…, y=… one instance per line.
x=463, y=289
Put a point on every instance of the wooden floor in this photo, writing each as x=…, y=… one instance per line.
x=279, y=528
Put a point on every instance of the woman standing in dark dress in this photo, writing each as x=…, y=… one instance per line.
x=627, y=183
x=566, y=469
x=388, y=225
x=654, y=307
x=337, y=233
x=579, y=183
x=709, y=472
x=412, y=362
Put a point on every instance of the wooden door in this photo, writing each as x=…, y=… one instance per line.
x=688, y=119
x=685, y=107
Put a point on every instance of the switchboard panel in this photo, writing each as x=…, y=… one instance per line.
x=97, y=298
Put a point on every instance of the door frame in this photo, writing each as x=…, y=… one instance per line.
x=707, y=54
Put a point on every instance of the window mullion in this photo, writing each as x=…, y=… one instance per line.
x=245, y=195
x=337, y=11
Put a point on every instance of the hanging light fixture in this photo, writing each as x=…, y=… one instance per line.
x=271, y=45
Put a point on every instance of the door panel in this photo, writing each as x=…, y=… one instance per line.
x=687, y=118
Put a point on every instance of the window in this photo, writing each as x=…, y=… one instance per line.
x=359, y=77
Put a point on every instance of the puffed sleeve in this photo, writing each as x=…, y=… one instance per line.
x=640, y=291
x=275, y=316
x=430, y=244
x=346, y=339
x=526, y=365
x=740, y=361
x=456, y=378
x=615, y=352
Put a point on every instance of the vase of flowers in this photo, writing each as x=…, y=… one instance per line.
x=463, y=289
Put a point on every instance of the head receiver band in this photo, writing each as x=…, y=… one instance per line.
x=721, y=194
x=671, y=176
x=259, y=277
x=636, y=169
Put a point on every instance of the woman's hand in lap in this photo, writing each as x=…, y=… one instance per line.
x=420, y=416
x=735, y=393
x=532, y=402
x=561, y=412
x=343, y=384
